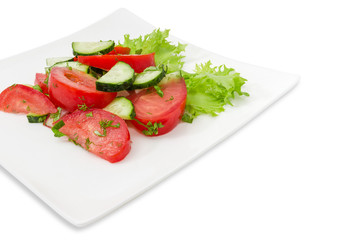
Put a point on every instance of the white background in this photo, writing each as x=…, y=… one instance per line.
x=287, y=174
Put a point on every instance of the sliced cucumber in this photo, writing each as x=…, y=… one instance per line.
x=119, y=77
x=76, y=65
x=52, y=61
x=174, y=76
x=122, y=107
x=92, y=48
x=35, y=118
x=148, y=78
x=96, y=72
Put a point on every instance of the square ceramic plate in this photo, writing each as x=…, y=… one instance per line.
x=83, y=188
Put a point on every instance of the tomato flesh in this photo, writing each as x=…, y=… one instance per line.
x=72, y=89
x=40, y=81
x=106, y=62
x=119, y=50
x=23, y=99
x=167, y=110
x=81, y=126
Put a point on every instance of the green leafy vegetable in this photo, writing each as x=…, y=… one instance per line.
x=166, y=52
x=210, y=88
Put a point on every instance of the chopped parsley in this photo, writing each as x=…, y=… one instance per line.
x=12, y=86
x=69, y=67
x=38, y=88
x=89, y=114
x=75, y=141
x=104, y=125
x=152, y=129
x=24, y=101
x=83, y=107
x=56, y=129
x=55, y=116
x=170, y=99
x=159, y=91
x=47, y=71
x=28, y=108
x=88, y=143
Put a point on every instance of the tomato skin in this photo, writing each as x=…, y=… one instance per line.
x=70, y=89
x=167, y=110
x=23, y=99
x=80, y=126
x=106, y=62
x=119, y=50
x=40, y=80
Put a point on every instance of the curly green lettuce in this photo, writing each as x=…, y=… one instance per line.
x=210, y=88
x=166, y=52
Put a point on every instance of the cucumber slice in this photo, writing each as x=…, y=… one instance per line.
x=76, y=65
x=174, y=76
x=148, y=78
x=119, y=77
x=35, y=118
x=122, y=107
x=92, y=48
x=52, y=61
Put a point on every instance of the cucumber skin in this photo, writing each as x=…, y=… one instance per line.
x=105, y=51
x=112, y=87
x=36, y=118
x=150, y=84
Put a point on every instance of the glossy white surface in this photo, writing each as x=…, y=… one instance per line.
x=83, y=188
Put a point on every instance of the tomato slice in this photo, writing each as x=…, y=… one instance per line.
x=119, y=50
x=167, y=110
x=106, y=62
x=85, y=128
x=73, y=89
x=40, y=80
x=23, y=99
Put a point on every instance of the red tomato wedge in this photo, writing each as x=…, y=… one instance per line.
x=119, y=50
x=106, y=62
x=23, y=99
x=111, y=143
x=40, y=80
x=73, y=89
x=167, y=110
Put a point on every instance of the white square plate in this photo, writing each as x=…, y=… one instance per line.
x=83, y=188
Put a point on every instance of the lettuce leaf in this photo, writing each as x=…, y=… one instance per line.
x=166, y=52
x=210, y=88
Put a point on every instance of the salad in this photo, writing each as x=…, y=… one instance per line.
x=93, y=97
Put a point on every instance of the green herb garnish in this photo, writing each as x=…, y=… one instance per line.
x=104, y=125
x=83, y=107
x=38, y=88
x=88, y=143
x=170, y=99
x=55, y=129
x=159, y=91
x=55, y=116
x=152, y=129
